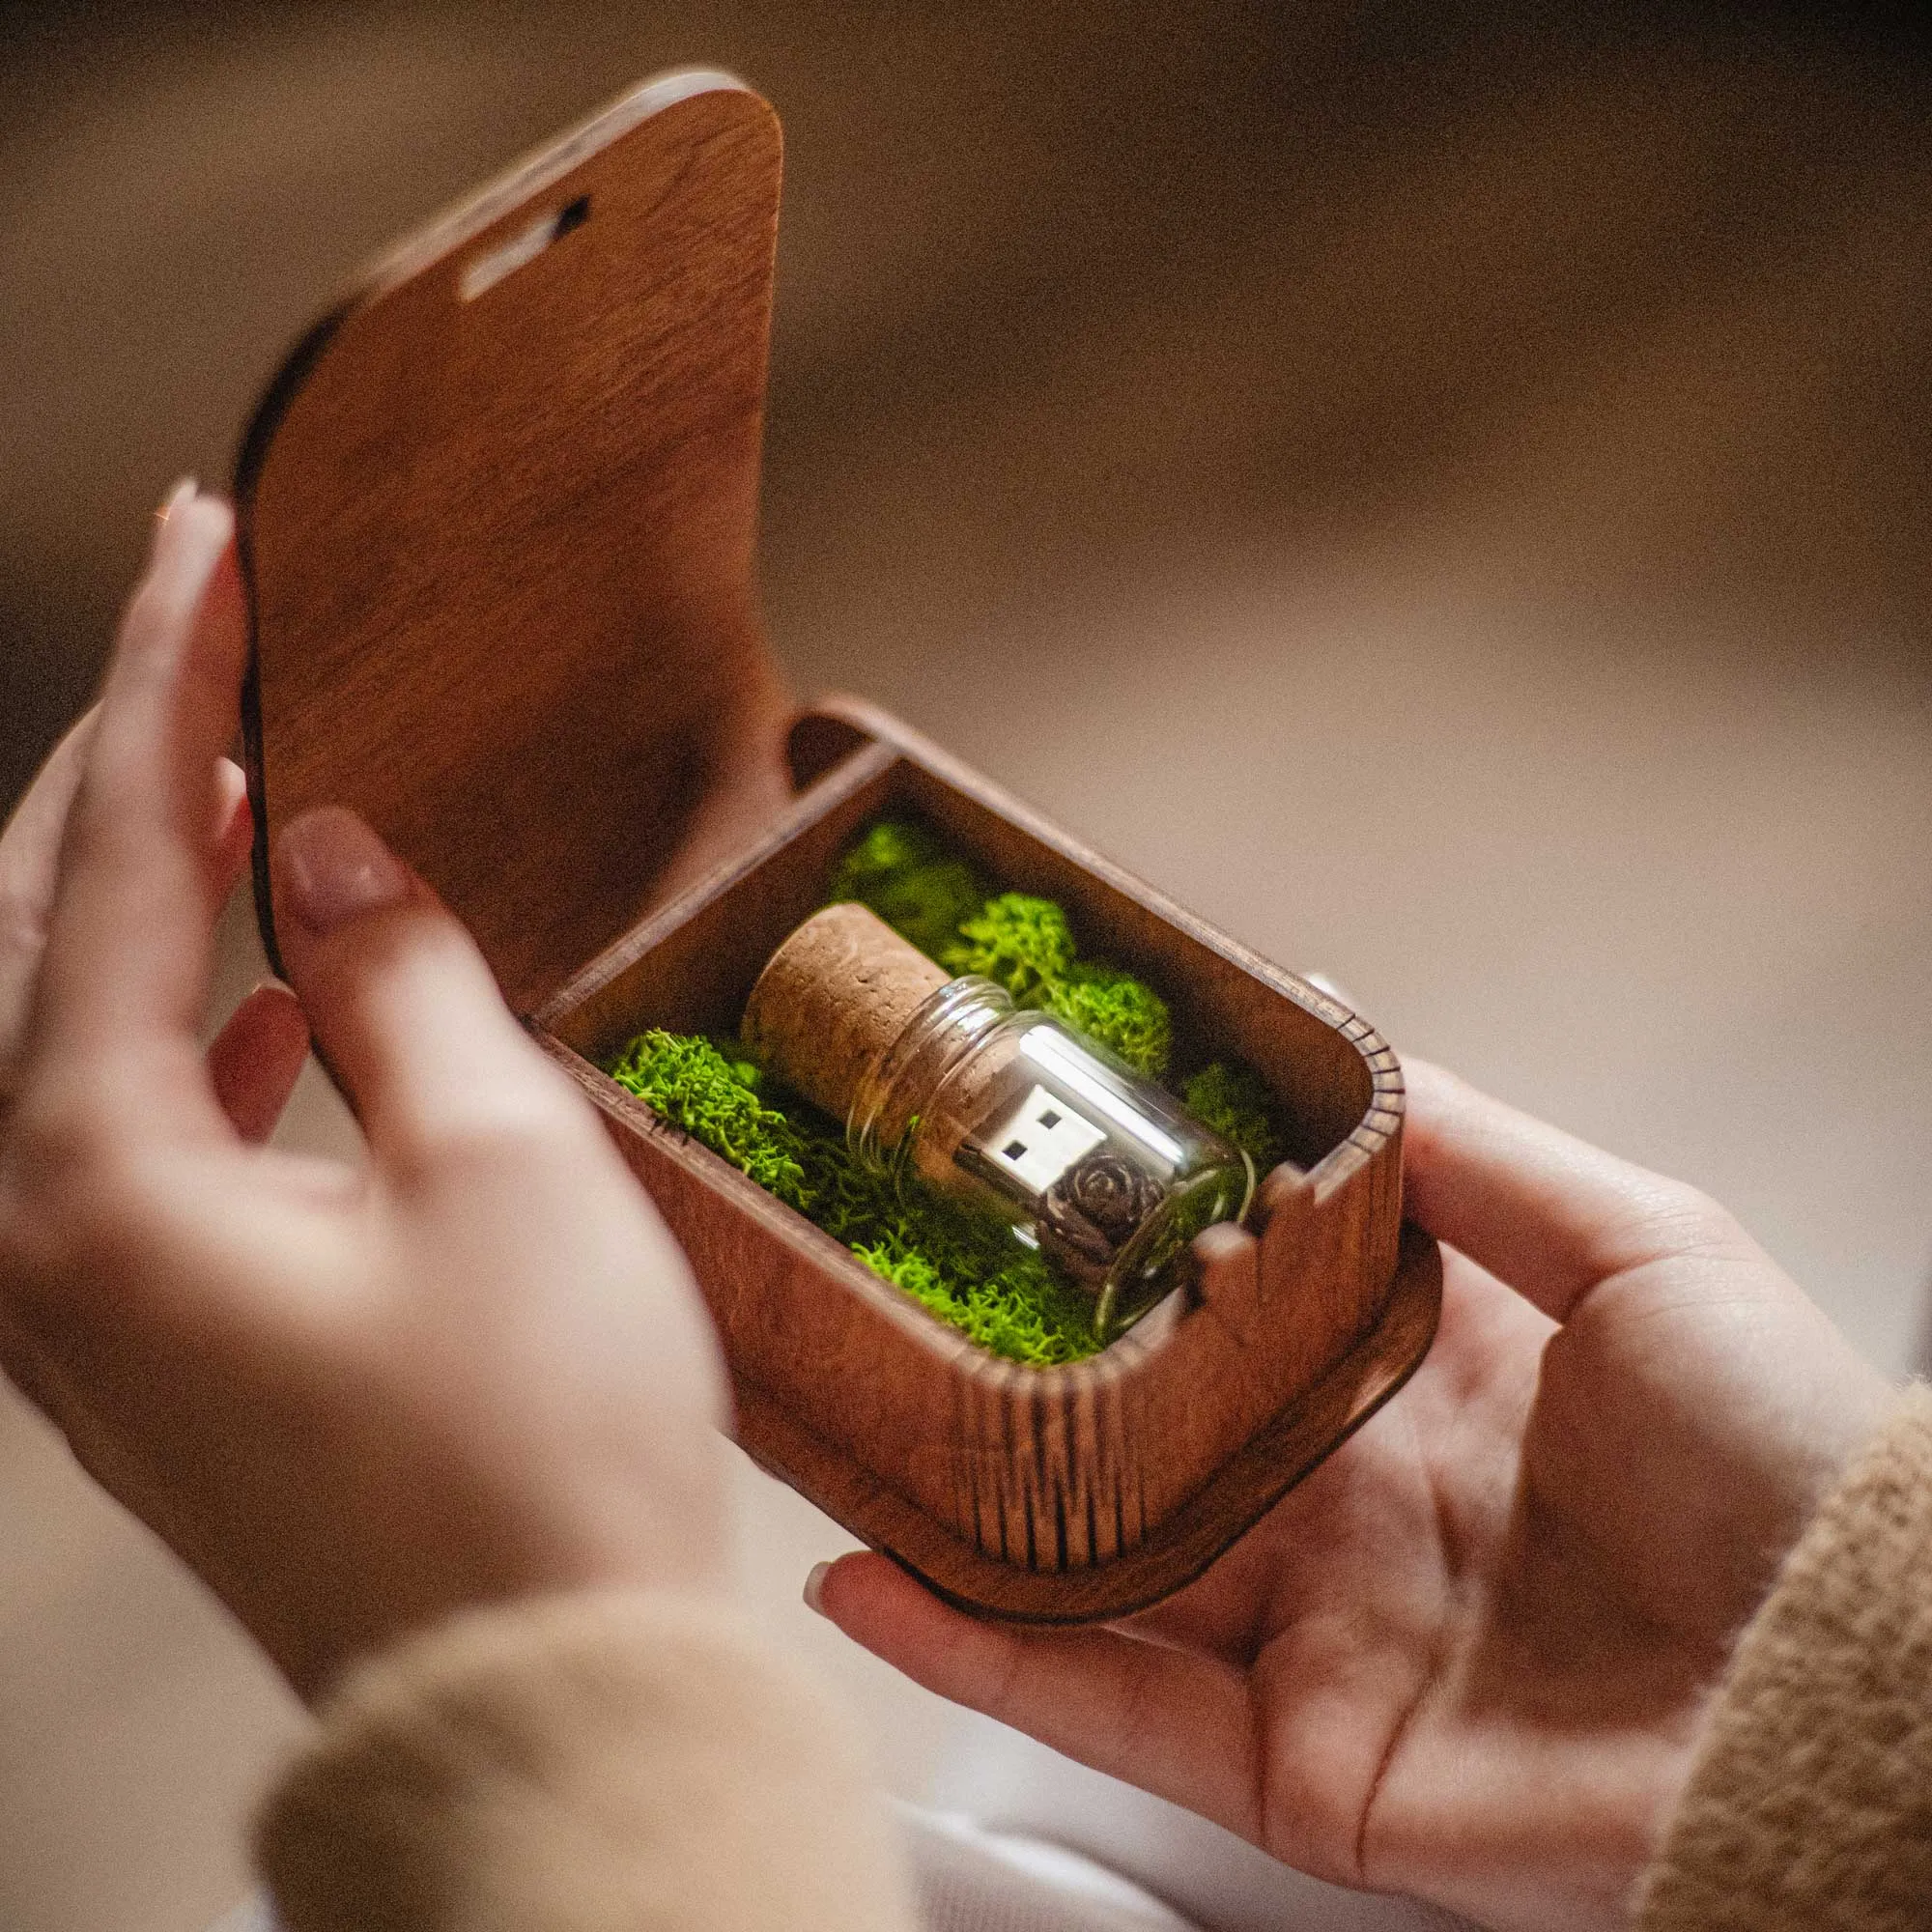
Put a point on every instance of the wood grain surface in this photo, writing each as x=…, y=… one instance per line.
x=500, y=547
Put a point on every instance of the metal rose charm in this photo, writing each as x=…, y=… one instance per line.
x=1111, y=1193
x=1092, y=1210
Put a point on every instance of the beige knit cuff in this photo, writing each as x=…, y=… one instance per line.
x=582, y=1764
x=1810, y=1805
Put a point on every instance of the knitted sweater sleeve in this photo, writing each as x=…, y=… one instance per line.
x=585, y=1764
x=1810, y=1805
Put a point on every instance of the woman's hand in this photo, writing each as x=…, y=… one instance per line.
x=1466, y=1658
x=352, y=1401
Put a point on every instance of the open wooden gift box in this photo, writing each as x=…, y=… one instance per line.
x=498, y=517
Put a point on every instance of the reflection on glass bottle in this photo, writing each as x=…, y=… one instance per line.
x=1032, y=1120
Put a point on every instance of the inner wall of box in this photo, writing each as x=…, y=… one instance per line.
x=698, y=974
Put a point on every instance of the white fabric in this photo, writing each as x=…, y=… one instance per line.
x=1017, y=1789
x=969, y=1879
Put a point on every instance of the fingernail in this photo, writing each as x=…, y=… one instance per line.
x=178, y=495
x=231, y=796
x=815, y=1587
x=187, y=549
x=335, y=868
x=1335, y=990
x=184, y=492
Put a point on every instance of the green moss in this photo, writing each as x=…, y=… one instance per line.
x=1018, y=942
x=1125, y=1014
x=911, y=880
x=971, y=1272
x=715, y=1099
x=1237, y=1104
x=1026, y=945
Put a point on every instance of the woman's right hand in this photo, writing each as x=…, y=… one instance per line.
x=1468, y=1656
x=352, y=1401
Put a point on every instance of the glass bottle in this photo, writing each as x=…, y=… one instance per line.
x=1020, y=1114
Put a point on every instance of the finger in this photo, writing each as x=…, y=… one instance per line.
x=255, y=1060
x=1550, y=1214
x=403, y=1007
x=1175, y=1723
x=30, y=847
x=29, y=865
x=127, y=948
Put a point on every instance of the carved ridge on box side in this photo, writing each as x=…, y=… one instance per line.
x=1047, y=1475
x=1235, y=1498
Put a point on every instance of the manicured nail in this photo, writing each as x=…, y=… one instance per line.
x=336, y=868
x=184, y=493
x=231, y=796
x=815, y=1587
x=178, y=495
x=187, y=549
x=1335, y=990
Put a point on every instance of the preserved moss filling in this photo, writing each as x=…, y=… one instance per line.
x=965, y=1268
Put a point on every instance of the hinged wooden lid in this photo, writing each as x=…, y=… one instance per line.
x=497, y=515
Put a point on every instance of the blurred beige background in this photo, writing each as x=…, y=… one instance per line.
x=1444, y=496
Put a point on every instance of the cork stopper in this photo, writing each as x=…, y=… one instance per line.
x=832, y=999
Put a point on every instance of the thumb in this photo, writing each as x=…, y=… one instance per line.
x=1177, y=1722
x=403, y=1007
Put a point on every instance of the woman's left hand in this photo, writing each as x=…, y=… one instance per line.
x=354, y=1400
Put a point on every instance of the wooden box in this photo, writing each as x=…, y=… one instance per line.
x=498, y=515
